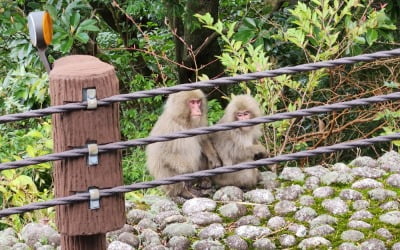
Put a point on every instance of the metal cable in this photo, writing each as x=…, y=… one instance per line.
x=205, y=173
x=202, y=130
x=202, y=84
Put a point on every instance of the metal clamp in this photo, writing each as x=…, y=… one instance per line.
x=93, y=156
x=89, y=95
x=94, y=202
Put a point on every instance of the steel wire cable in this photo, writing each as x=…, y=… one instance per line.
x=204, y=173
x=202, y=84
x=202, y=130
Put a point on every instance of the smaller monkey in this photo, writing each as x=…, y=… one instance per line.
x=241, y=144
x=183, y=110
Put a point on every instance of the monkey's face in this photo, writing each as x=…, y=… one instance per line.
x=244, y=115
x=195, y=108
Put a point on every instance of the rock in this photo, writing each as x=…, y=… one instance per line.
x=113, y=235
x=8, y=238
x=172, y=219
x=261, y=211
x=394, y=180
x=149, y=237
x=213, y=231
x=269, y=180
x=287, y=240
x=155, y=247
x=292, y=174
x=179, y=243
x=33, y=232
x=129, y=238
x=364, y=161
x=160, y=217
x=390, y=161
x=373, y=244
x=341, y=167
x=147, y=223
x=323, y=192
x=337, y=177
x=348, y=246
x=384, y=233
x=233, y=210
x=392, y=218
x=361, y=215
x=305, y=214
x=306, y=200
x=381, y=194
x=118, y=245
x=322, y=220
x=350, y=194
x=358, y=224
x=248, y=220
x=205, y=218
x=208, y=245
x=262, y=196
x=45, y=247
x=228, y=193
x=312, y=182
x=368, y=172
x=20, y=246
x=163, y=205
x=317, y=171
x=263, y=244
x=360, y=204
x=198, y=205
x=352, y=235
x=136, y=215
x=276, y=223
x=314, y=243
x=289, y=193
x=252, y=232
x=179, y=229
x=284, y=207
x=322, y=230
x=234, y=242
x=298, y=229
x=335, y=206
x=390, y=205
x=396, y=246
x=366, y=183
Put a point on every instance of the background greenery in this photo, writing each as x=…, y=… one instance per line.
x=162, y=43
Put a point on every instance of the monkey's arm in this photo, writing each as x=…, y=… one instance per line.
x=210, y=153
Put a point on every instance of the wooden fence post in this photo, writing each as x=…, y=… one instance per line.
x=83, y=228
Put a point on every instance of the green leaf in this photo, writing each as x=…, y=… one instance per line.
x=371, y=36
x=74, y=20
x=88, y=25
x=66, y=45
x=244, y=35
x=250, y=22
x=82, y=37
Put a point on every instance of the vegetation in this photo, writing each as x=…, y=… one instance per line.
x=162, y=43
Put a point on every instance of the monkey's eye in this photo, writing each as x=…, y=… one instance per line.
x=193, y=102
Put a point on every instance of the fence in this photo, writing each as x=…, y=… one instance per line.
x=80, y=125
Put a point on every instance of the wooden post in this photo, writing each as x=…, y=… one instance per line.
x=83, y=228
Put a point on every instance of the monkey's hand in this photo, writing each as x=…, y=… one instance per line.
x=214, y=162
x=259, y=152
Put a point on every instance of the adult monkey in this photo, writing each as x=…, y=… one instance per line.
x=183, y=110
x=241, y=144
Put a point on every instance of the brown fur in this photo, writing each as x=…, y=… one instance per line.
x=187, y=155
x=239, y=145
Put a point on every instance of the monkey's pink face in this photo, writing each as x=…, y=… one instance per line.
x=195, y=107
x=243, y=115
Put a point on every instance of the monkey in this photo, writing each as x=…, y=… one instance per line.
x=241, y=144
x=183, y=110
